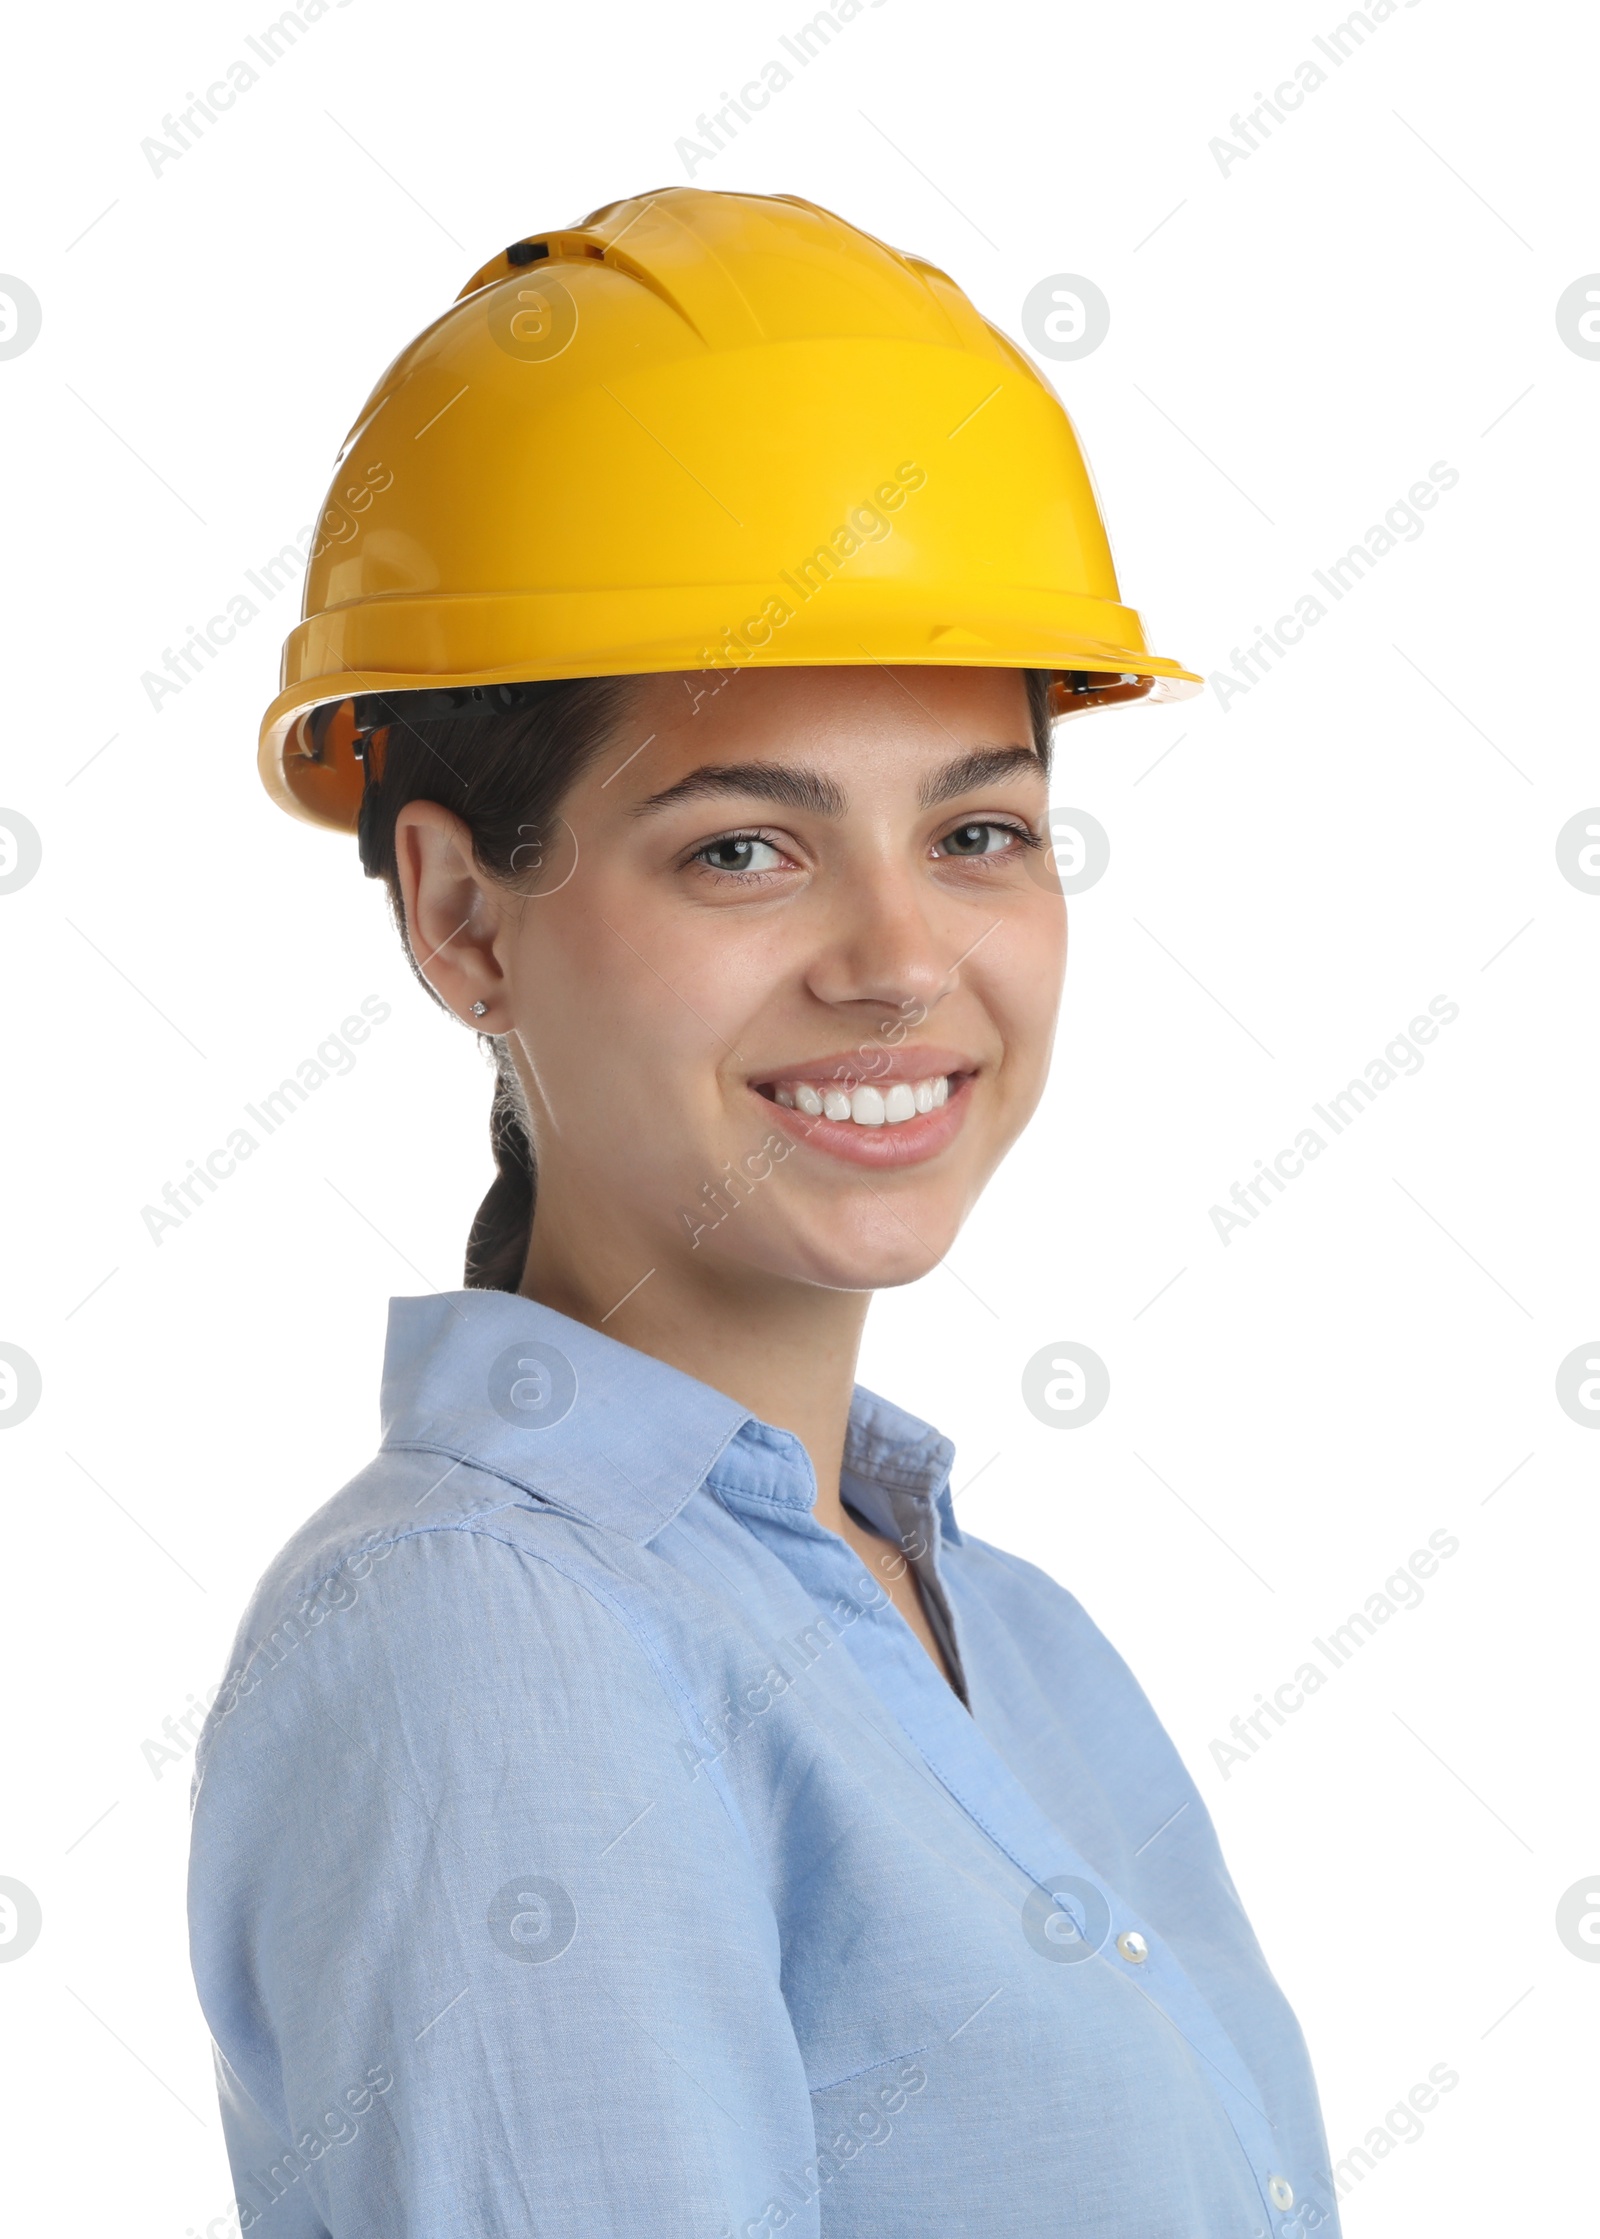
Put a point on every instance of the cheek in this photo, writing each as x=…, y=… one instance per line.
x=1023, y=988
x=1022, y=1002
x=629, y=1015
x=681, y=982
x=598, y=1024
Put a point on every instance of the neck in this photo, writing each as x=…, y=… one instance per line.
x=785, y=1350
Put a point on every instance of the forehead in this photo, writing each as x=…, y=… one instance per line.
x=875, y=721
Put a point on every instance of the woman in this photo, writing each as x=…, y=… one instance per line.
x=635, y=1805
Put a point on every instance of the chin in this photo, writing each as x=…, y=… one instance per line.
x=874, y=1252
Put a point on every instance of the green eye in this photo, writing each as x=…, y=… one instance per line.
x=981, y=839
x=739, y=852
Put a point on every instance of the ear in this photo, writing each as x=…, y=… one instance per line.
x=455, y=915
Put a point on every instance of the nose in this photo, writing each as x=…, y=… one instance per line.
x=888, y=944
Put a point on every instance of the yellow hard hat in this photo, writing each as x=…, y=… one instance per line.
x=699, y=430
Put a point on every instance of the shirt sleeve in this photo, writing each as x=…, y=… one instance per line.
x=478, y=1952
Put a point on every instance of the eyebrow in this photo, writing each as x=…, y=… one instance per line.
x=986, y=765
x=791, y=786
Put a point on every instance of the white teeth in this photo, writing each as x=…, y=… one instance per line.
x=866, y=1106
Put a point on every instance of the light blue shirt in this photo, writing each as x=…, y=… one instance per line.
x=584, y=1845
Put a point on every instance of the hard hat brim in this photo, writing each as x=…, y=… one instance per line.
x=385, y=645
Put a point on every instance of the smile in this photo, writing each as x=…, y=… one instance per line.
x=867, y=1106
x=913, y=1106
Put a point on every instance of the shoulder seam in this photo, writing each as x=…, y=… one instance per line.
x=676, y=1695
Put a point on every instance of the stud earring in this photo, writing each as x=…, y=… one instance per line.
x=478, y=1009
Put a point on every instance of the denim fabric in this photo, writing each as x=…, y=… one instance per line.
x=584, y=1845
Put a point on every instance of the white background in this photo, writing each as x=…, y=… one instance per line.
x=1292, y=878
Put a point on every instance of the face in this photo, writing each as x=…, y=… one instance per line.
x=783, y=990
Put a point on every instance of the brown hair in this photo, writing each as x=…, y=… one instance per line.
x=505, y=772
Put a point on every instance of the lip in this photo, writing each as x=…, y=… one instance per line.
x=908, y=1142
x=847, y=1069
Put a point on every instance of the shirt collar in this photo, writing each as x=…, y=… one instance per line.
x=613, y=1434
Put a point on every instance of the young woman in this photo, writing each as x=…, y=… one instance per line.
x=635, y=1805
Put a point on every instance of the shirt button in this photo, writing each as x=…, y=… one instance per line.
x=1280, y=2192
x=1133, y=1946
